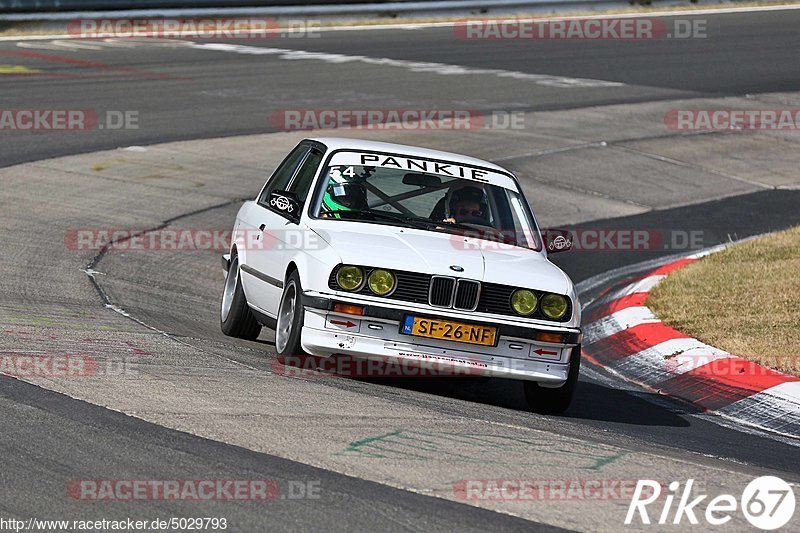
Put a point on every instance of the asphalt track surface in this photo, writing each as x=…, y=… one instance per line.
x=213, y=94
x=184, y=93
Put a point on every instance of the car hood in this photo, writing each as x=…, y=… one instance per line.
x=432, y=252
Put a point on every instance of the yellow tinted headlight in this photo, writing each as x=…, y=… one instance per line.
x=523, y=302
x=350, y=278
x=381, y=282
x=554, y=306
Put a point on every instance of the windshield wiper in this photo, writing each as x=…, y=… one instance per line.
x=420, y=223
x=458, y=225
x=424, y=222
x=394, y=217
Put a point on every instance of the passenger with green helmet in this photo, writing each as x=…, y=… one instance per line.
x=343, y=195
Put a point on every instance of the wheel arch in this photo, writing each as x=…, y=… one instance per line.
x=291, y=267
x=313, y=269
x=298, y=263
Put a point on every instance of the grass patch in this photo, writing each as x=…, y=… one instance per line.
x=744, y=300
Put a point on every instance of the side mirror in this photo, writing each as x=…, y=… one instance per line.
x=286, y=203
x=557, y=240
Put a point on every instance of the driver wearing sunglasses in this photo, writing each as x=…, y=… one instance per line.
x=468, y=205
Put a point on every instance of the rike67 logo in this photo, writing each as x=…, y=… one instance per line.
x=767, y=503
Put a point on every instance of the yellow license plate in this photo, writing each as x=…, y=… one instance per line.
x=435, y=328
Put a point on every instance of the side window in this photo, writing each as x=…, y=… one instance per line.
x=281, y=178
x=305, y=174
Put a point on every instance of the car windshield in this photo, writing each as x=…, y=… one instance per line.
x=393, y=196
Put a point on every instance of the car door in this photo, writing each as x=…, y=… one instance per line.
x=254, y=227
x=281, y=235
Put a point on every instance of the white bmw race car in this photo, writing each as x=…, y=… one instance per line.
x=376, y=250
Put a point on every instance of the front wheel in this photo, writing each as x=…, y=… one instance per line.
x=290, y=318
x=235, y=317
x=554, y=401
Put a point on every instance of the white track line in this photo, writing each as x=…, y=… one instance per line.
x=618, y=321
x=62, y=44
x=776, y=409
x=412, y=66
x=685, y=354
x=643, y=285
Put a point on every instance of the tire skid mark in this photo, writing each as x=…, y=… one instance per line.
x=91, y=273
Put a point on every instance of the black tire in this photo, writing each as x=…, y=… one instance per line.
x=554, y=401
x=287, y=342
x=239, y=321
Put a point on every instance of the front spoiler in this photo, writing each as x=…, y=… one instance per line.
x=407, y=354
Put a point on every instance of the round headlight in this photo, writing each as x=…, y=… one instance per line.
x=523, y=302
x=381, y=282
x=554, y=306
x=350, y=278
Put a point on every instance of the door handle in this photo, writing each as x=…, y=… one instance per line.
x=262, y=226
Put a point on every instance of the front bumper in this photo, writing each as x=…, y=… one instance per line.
x=378, y=337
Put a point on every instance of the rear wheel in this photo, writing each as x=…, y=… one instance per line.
x=290, y=318
x=235, y=318
x=554, y=401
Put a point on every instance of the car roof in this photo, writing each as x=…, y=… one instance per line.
x=340, y=143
